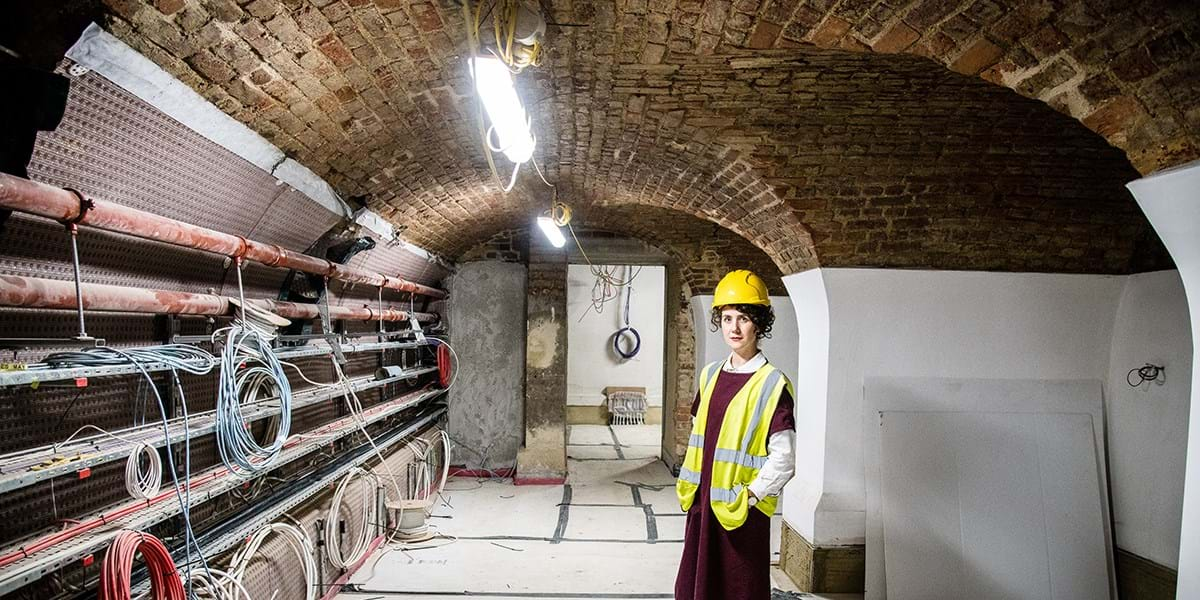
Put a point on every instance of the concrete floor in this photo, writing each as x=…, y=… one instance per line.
x=613, y=531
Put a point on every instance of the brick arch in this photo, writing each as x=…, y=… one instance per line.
x=690, y=172
x=887, y=161
x=447, y=206
x=1130, y=71
x=702, y=250
x=374, y=97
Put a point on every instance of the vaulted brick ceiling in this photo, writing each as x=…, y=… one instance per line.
x=774, y=120
x=702, y=250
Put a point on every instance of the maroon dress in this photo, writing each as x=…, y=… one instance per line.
x=718, y=564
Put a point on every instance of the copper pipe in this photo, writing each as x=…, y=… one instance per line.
x=29, y=292
x=65, y=206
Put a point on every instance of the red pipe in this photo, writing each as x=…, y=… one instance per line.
x=59, y=204
x=29, y=292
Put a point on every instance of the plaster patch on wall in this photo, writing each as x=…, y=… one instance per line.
x=542, y=343
x=487, y=398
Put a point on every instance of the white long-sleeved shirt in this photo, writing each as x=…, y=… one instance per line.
x=781, y=447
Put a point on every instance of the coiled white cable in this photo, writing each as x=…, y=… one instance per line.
x=423, y=451
x=300, y=543
x=139, y=484
x=217, y=585
x=368, y=512
x=354, y=405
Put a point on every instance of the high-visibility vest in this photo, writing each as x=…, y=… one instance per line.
x=741, y=448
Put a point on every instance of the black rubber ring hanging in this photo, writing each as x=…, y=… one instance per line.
x=637, y=342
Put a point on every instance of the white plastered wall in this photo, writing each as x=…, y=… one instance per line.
x=803, y=493
x=856, y=323
x=1147, y=424
x=591, y=362
x=1171, y=200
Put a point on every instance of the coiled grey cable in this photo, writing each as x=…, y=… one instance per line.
x=249, y=369
x=180, y=357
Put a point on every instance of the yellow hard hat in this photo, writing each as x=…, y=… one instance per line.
x=741, y=287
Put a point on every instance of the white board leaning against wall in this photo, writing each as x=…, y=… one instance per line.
x=1003, y=479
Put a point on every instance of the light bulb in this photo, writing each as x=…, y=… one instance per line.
x=493, y=82
x=552, y=231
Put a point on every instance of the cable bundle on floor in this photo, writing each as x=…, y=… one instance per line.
x=116, y=570
x=249, y=371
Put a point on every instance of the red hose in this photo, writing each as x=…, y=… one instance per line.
x=443, y=361
x=117, y=570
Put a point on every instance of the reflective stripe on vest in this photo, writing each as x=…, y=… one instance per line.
x=739, y=458
x=743, y=457
x=689, y=476
x=708, y=377
x=725, y=494
x=733, y=465
x=764, y=395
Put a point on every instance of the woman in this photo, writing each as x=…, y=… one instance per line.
x=739, y=456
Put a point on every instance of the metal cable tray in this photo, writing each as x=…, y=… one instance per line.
x=19, y=470
x=214, y=481
x=29, y=376
x=224, y=537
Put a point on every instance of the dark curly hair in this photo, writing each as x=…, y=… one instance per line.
x=763, y=317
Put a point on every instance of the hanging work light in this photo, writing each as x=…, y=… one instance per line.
x=510, y=127
x=552, y=231
x=552, y=221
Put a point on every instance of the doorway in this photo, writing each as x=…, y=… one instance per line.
x=615, y=362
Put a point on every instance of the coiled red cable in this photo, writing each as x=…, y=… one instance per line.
x=117, y=569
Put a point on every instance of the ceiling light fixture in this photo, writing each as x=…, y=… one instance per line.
x=553, y=220
x=552, y=231
x=510, y=126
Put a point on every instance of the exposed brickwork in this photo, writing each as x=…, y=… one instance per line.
x=700, y=250
x=722, y=110
x=888, y=162
x=1044, y=50
x=684, y=376
x=510, y=245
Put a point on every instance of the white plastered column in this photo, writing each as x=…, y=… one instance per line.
x=1171, y=200
x=802, y=497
